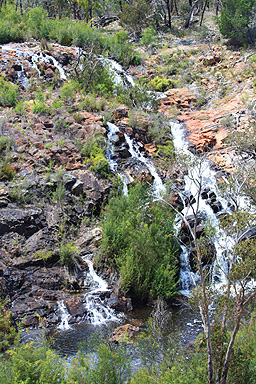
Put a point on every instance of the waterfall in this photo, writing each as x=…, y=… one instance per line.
x=45, y=58
x=158, y=186
x=200, y=174
x=119, y=75
x=28, y=54
x=98, y=311
x=112, y=132
x=64, y=325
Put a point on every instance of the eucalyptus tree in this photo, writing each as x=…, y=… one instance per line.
x=235, y=261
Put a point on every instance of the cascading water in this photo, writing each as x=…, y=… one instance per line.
x=64, y=325
x=32, y=57
x=45, y=58
x=201, y=178
x=158, y=186
x=98, y=311
x=119, y=75
x=112, y=132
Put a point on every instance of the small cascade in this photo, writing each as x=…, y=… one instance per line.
x=119, y=75
x=31, y=55
x=188, y=279
x=159, y=188
x=211, y=205
x=45, y=58
x=112, y=132
x=98, y=311
x=64, y=325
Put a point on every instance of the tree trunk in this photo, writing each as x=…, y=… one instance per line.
x=229, y=350
x=191, y=14
x=204, y=8
x=169, y=13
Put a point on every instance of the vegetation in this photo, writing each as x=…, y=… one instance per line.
x=138, y=241
x=138, y=233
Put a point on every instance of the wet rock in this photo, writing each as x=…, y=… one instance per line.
x=76, y=307
x=120, y=302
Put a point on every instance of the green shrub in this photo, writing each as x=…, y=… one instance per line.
x=137, y=240
x=93, y=149
x=161, y=84
x=40, y=107
x=12, y=25
x=235, y=20
x=31, y=364
x=8, y=333
x=69, y=254
x=36, y=21
x=148, y=36
x=68, y=91
x=8, y=93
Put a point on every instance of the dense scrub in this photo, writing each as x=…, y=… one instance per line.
x=138, y=241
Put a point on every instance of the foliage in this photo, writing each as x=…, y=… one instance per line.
x=161, y=84
x=68, y=254
x=8, y=333
x=148, y=36
x=31, y=364
x=139, y=96
x=94, y=150
x=8, y=93
x=137, y=239
x=68, y=91
x=12, y=25
x=235, y=20
x=108, y=364
x=43, y=254
x=134, y=15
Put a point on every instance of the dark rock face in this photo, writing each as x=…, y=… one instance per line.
x=22, y=221
x=31, y=276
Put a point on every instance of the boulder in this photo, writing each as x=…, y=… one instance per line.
x=125, y=333
x=76, y=307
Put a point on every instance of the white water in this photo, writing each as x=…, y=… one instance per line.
x=158, y=186
x=64, y=325
x=45, y=58
x=119, y=75
x=23, y=52
x=201, y=176
x=112, y=131
x=98, y=310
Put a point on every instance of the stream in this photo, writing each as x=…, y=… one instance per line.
x=98, y=314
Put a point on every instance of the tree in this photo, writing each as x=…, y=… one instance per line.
x=237, y=20
x=236, y=290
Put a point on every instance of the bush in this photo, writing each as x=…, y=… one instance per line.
x=69, y=254
x=68, y=91
x=36, y=21
x=31, y=364
x=8, y=93
x=137, y=240
x=235, y=19
x=134, y=15
x=12, y=25
x=148, y=36
x=8, y=333
x=93, y=149
x=161, y=84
